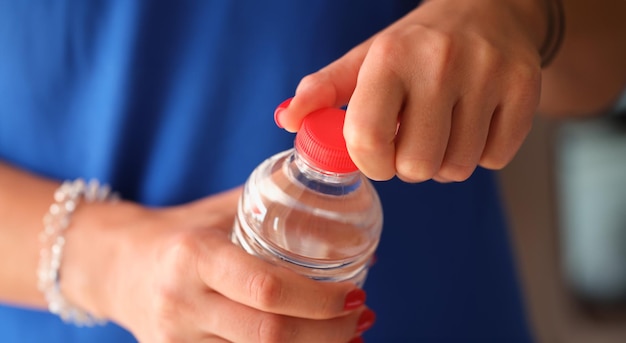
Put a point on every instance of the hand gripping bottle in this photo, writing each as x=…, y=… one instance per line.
x=310, y=209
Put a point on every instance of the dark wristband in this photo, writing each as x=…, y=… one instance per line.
x=555, y=31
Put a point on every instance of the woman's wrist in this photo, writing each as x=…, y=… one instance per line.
x=542, y=21
x=555, y=31
x=545, y=22
x=532, y=23
x=532, y=18
x=93, y=257
x=56, y=221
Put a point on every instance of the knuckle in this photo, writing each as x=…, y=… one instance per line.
x=167, y=302
x=441, y=47
x=386, y=47
x=456, y=172
x=527, y=84
x=371, y=150
x=274, y=328
x=314, y=80
x=486, y=54
x=180, y=251
x=526, y=73
x=439, y=53
x=413, y=171
x=266, y=290
x=319, y=83
x=495, y=160
x=392, y=48
x=500, y=151
x=367, y=140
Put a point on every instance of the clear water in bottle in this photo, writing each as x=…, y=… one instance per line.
x=310, y=209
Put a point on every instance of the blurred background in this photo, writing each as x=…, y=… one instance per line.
x=566, y=197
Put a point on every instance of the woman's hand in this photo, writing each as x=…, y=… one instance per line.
x=172, y=275
x=452, y=85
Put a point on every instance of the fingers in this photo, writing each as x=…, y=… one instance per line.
x=249, y=280
x=202, y=284
x=331, y=86
x=206, y=285
x=239, y=323
x=372, y=119
x=512, y=120
x=471, y=120
x=468, y=135
x=426, y=101
x=416, y=99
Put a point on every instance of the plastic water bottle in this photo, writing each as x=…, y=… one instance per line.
x=310, y=209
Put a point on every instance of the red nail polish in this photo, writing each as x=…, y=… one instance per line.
x=279, y=109
x=366, y=320
x=277, y=117
x=357, y=339
x=354, y=299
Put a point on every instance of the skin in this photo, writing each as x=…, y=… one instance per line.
x=451, y=86
x=157, y=271
x=589, y=72
x=435, y=98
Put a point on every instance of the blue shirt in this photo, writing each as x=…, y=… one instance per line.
x=170, y=102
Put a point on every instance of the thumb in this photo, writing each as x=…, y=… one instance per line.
x=331, y=86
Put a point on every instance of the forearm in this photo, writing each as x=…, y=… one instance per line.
x=589, y=72
x=94, y=240
x=24, y=199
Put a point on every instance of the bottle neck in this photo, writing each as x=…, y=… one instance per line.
x=320, y=180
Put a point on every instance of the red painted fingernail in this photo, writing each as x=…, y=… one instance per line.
x=354, y=299
x=277, y=117
x=357, y=339
x=366, y=320
x=278, y=111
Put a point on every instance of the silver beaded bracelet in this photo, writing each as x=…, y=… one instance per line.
x=56, y=221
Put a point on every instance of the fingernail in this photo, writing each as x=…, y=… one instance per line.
x=277, y=117
x=279, y=110
x=357, y=339
x=354, y=299
x=366, y=320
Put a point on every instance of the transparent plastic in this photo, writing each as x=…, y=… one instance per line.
x=320, y=224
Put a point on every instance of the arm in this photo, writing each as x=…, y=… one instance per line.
x=168, y=274
x=589, y=73
x=24, y=199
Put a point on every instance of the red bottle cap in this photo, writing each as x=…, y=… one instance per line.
x=320, y=141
